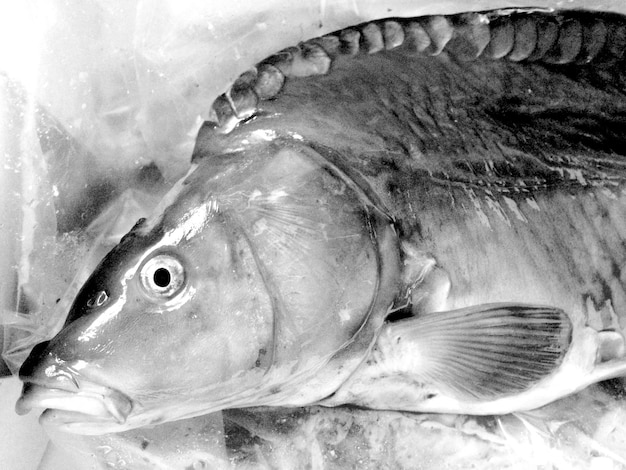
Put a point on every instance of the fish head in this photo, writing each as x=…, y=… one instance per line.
x=177, y=295
x=257, y=268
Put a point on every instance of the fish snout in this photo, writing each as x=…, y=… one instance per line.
x=70, y=398
x=43, y=367
x=44, y=371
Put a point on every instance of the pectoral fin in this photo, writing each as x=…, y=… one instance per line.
x=481, y=351
x=488, y=359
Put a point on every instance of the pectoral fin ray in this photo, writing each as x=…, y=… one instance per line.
x=481, y=352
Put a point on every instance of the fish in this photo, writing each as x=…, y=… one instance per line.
x=421, y=215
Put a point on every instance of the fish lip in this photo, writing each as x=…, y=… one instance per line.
x=76, y=422
x=91, y=403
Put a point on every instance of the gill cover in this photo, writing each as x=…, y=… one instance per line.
x=326, y=252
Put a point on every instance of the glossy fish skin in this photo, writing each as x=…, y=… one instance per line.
x=242, y=229
x=130, y=316
x=510, y=175
x=454, y=157
x=447, y=151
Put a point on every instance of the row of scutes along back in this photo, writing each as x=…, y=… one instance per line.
x=555, y=38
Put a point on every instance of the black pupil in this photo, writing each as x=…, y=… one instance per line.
x=162, y=277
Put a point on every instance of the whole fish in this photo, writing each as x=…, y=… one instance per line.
x=418, y=215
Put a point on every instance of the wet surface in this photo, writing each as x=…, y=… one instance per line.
x=511, y=175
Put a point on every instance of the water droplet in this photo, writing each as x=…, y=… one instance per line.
x=104, y=449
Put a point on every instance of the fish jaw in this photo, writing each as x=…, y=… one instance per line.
x=89, y=408
x=72, y=401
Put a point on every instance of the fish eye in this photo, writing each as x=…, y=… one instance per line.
x=162, y=276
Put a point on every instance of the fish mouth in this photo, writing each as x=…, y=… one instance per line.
x=78, y=410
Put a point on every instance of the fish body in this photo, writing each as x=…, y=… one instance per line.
x=404, y=232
